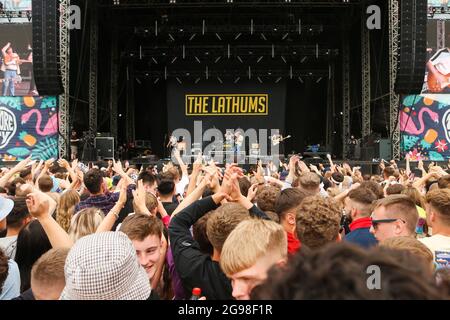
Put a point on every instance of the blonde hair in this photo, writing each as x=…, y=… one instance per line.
x=85, y=222
x=411, y=245
x=66, y=208
x=49, y=268
x=150, y=202
x=249, y=241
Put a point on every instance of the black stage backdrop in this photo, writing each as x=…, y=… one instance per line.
x=244, y=105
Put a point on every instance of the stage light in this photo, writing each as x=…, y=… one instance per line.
x=237, y=79
x=304, y=59
x=197, y=80
x=318, y=80
x=278, y=80
x=179, y=81
x=259, y=79
x=217, y=59
x=259, y=59
x=220, y=80
x=173, y=60
x=156, y=81
x=300, y=79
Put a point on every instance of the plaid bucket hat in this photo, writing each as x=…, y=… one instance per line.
x=104, y=266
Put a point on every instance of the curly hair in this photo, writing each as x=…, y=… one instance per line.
x=374, y=187
x=222, y=221
x=318, y=220
x=66, y=208
x=266, y=198
x=4, y=269
x=340, y=271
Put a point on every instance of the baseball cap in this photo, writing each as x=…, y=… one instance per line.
x=104, y=266
x=6, y=206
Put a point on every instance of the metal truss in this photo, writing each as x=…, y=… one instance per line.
x=113, y=93
x=440, y=34
x=93, y=50
x=393, y=61
x=139, y=4
x=365, y=68
x=345, y=94
x=64, y=55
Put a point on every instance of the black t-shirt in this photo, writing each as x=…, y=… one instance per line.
x=170, y=207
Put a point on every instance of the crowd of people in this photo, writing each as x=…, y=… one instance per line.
x=75, y=231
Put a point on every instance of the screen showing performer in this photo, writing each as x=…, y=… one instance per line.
x=16, y=75
x=437, y=73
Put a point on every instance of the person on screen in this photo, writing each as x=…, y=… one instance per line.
x=11, y=62
x=32, y=90
x=438, y=67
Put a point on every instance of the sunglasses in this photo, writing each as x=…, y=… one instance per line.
x=375, y=223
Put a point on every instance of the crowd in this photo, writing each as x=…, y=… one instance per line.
x=105, y=231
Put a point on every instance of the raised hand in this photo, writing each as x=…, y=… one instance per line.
x=63, y=163
x=252, y=192
x=38, y=205
x=139, y=198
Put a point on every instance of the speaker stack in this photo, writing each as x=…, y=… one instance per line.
x=412, y=47
x=46, y=65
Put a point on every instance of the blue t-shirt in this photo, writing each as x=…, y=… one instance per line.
x=11, y=287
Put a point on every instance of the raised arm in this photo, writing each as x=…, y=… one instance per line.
x=18, y=168
x=40, y=206
x=113, y=214
x=6, y=48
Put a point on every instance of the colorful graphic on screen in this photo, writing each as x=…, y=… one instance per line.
x=425, y=127
x=28, y=126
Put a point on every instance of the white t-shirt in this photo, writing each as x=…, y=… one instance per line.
x=441, y=61
x=181, y=185
x=9, y=245
x=439, y=245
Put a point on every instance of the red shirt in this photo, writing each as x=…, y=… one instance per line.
x=361, y=223
x=293, y=243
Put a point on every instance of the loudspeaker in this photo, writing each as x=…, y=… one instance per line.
x=46, y=65
x=412, y=47
x=104, y=147
x=385, y=148
x=368, y=153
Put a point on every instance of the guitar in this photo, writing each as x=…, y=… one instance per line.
x=277, y=139
x=434, y=85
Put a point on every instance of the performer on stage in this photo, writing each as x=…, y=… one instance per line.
x=352, y=142
x=74, y=140
x=11, y=68
x=238, y=141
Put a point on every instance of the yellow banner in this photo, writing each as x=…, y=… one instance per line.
x=227, y=104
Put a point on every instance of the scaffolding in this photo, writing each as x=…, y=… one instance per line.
x=365, y=68
x=65, y=64
x=393, y=61
x=93, y=51
x=345, y=93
